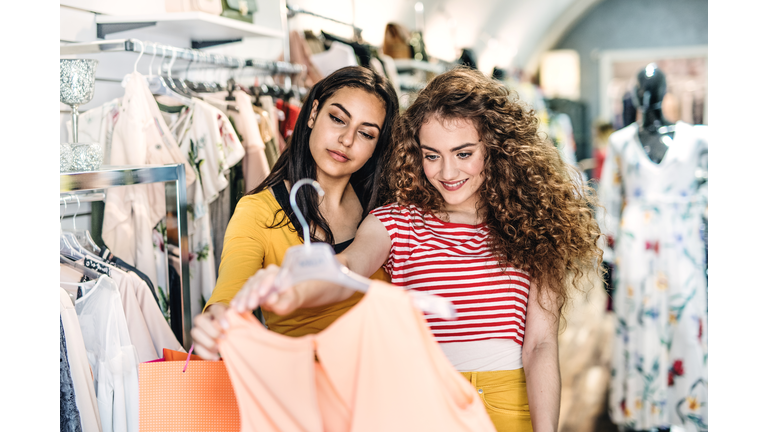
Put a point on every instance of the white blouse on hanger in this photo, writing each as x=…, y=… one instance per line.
x=111, y=355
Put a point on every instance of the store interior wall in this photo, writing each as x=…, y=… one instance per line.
x=631, y=24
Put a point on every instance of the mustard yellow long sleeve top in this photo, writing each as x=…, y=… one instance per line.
x=250, y=245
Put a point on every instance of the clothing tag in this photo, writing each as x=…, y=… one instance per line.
x=95, y=265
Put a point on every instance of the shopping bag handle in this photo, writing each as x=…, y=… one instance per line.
x=189, y=356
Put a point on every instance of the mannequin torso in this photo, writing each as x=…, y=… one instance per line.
x=655, y=133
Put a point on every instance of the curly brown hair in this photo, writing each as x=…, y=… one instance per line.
x=536, y=207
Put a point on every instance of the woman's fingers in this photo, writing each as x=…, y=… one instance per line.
x=241, y=299
x=254, y=289
x=204, y=335
x=206, y=354
x=266, y=285
x=218, y=313
x=205, y=347
x=284, y=302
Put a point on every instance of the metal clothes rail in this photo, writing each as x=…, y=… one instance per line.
x=293, y=11
x=192, y=55
x=176, y=209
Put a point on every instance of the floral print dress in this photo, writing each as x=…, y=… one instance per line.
x=652, y=219
x=210, y=143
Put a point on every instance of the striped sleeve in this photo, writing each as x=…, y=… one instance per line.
x=392, y=216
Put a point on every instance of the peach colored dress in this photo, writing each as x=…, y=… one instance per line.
x=376, y=368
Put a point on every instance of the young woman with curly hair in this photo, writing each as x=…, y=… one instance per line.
x=483, y=211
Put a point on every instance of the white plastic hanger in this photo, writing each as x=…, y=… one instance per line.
x=68, y=245
x=159, y=85
x=317, y=261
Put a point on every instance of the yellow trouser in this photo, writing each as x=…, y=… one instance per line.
x=506, y=398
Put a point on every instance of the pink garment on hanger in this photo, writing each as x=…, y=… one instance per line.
x=255, y=165
x=376, y=368
x=301, y=53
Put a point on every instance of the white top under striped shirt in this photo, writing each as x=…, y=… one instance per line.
x=454, y=261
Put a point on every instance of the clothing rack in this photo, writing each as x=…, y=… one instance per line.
x=189, y=54
x=293, y=11
x=174, y=178
x=82, y=198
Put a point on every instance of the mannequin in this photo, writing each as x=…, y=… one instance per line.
x=653, y=198
x=656, y=132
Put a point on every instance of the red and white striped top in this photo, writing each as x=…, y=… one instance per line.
x=454, y=261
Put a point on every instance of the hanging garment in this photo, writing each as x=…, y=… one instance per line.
x=245, y=121
x=377, y=368
x=147, y=328
x=339, y=55
x=652, y=214
x=268, y=103
x=301, y=54
x=69, y=416
x=561, y=129
x=108, y=256
x=208, y=139
x=137, y=327
x=80, y=370
x=132, y=132
x=270, y=144
x=391, y=70
x=221, y=213
x=253, y=168
x=290, y=119
x=111, y=355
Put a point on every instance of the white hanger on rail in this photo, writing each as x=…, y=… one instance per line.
x=317, y=261
x=68, y=245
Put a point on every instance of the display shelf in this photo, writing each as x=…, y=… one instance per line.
x=176, y=204
x=201, y=28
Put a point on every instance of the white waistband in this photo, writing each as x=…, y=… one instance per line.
x=485, y=355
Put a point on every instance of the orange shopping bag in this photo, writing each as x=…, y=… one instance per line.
x=198, y=399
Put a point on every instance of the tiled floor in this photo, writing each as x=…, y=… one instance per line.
x=585, y=357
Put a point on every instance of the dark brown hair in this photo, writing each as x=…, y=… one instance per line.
x=296, y=162
x=536, y=207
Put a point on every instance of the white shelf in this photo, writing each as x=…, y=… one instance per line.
x=196, y=26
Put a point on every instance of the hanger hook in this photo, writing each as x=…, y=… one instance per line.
x=186, y=72
x=64, y=200
x=154, y=54
x=136, y=65
x=170, y=66
x=74, y=218
x=241, y=68
x=295, y=207
x=160, y=66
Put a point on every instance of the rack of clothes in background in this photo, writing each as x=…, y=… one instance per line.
x=193, y=132
x=111, y=317
x=562, y=120
x=324, y=53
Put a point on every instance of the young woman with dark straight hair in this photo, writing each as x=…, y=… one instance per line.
x=342, y=132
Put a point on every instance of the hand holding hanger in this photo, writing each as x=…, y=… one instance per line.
x=278, y=289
